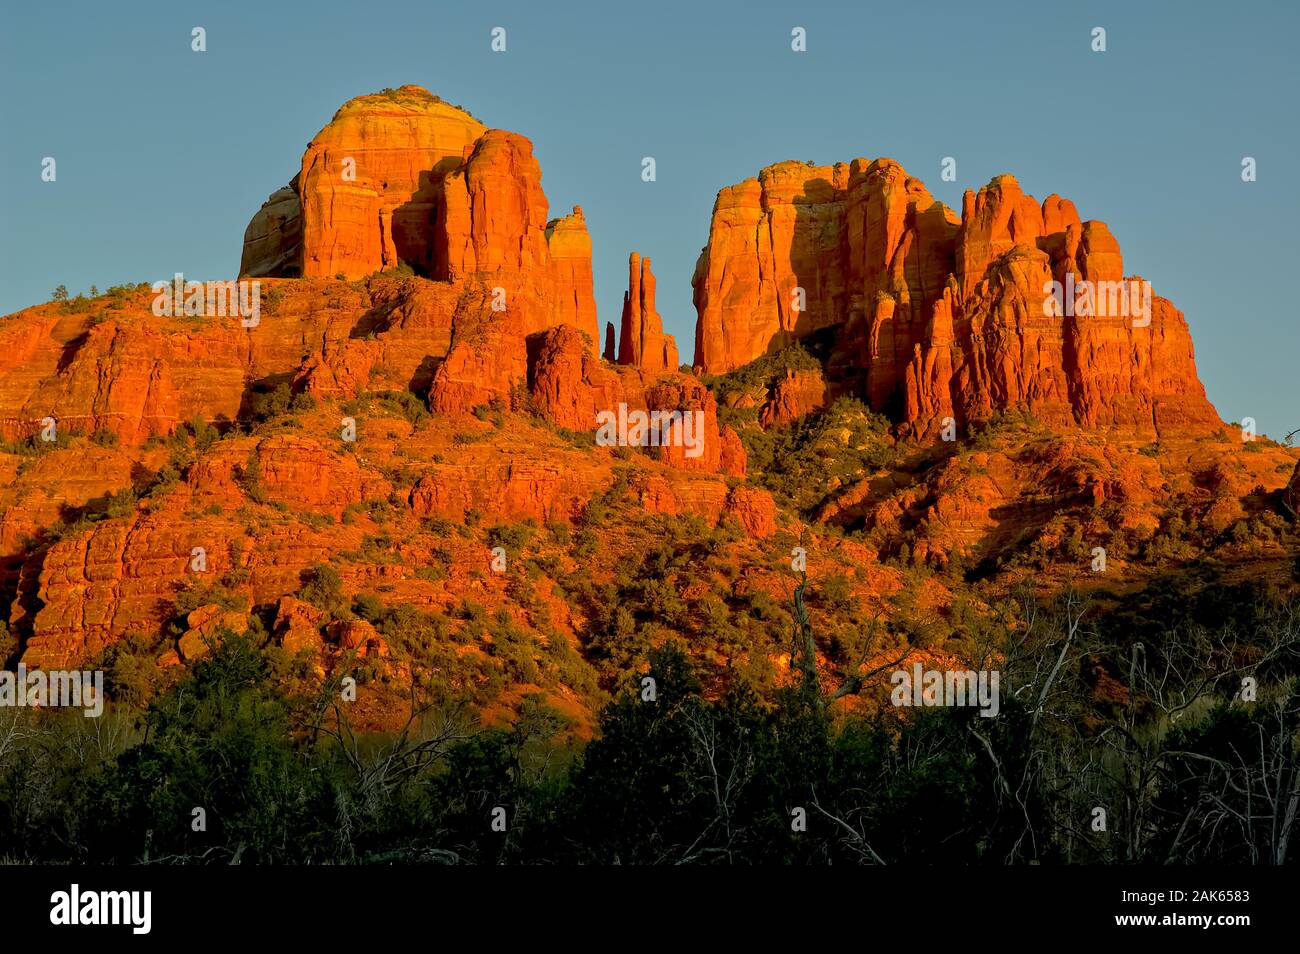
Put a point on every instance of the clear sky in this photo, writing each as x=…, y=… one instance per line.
x=164, y=154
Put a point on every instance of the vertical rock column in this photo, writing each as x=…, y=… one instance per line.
x=642, y=342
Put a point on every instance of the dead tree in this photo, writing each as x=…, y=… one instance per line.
x=803, y=658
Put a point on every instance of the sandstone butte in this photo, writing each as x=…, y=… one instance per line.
x=401, y=177
x=929, y=315
x=911, y=308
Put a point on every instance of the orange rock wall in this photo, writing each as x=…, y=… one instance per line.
x=936, y=315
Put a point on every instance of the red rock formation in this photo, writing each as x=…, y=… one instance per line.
x=371, y=178
x=118, y=367
x=401, y=177
x=949, y=315
x=357, y=634
x=642, y=342
x=294, y=471
x=929, y=374
x=36, y=493
x=755, y=510
x=493, y=217
x=492, y=228
x=205, y=628
x=570, y=387
x=487, y=361
x=297, y=625
x=106, y=375
x=121, y=577
x=939, y=317
x=721, y=449
x=671, y=492
x=796, y=394
x=407, y=324
x=993, y=222
x=510, y=489
x=732, y=459
x=769, y=237
x=570, y=249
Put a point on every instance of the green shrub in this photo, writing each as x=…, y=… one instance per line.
x=324, y=590
x=265, y=405
x=302, y=402
x=514, y=537
x=104, y=438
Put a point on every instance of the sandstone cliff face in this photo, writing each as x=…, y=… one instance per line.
x=936, y=316
x=122, y=576
x=404, y=327
x=511, y=488
x=492, y=227
x=570, y=385
x=113, y=371
x=769, y=236
x=118, y=367
x=487, y=361
x=493, y=213
x=265, y=509
x=570, y=250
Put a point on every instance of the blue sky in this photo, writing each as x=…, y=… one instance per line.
x=164, y=154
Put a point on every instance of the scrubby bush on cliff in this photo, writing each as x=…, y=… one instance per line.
x=513, y=537
x=323, y=589
x=191, y=595
x=131, y=674
x=33, y=445
x=120, y=503
x=988, y=434
x=265, y=405
x=203, y=434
